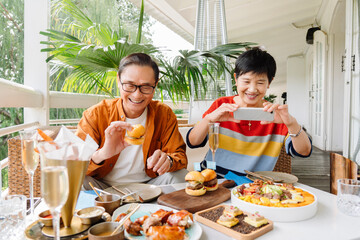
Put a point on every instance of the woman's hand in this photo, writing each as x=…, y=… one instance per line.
x=281, y=113
x=223, y=113
x=159, y=162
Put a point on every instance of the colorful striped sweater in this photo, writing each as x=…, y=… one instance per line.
x=243, y=147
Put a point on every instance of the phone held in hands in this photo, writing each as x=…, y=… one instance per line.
x=253, y=114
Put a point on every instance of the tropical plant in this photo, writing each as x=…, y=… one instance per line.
x=270, y=98
x=93, y=51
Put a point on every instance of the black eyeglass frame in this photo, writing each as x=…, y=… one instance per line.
x=136, y=87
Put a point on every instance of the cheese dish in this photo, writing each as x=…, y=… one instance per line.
x=255, y=220
x=227, y=220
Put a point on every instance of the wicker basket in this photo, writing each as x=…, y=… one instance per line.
x=283, y=163
x=19, y=182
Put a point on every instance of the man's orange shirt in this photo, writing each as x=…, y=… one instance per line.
x=161, y=133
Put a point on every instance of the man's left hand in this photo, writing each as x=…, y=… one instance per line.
x=159, y=162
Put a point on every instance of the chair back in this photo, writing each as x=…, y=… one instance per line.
x=283, y=163
x=18, y=178
x=341, y=167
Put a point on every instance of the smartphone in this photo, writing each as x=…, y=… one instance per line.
x=253, y=114
x=36, y=202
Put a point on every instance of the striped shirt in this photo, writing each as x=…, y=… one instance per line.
x=243, y=147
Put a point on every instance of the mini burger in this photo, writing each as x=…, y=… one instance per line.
x=195, y=186
x=136, y=135
x=210, y=183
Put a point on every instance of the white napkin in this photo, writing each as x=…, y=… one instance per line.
x=70, y=147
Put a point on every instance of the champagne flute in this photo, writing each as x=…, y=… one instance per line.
x=30, y=160
x=213, y=138
x=54, y=179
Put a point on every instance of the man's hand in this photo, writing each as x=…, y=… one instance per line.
x=159, y=162
x=114, y=141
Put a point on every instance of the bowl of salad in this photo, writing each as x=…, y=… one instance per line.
x=278, y=202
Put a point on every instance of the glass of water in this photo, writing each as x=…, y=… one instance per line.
x=12, y=217
x=348, y=196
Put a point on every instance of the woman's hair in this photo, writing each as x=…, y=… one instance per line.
x=256, y=61
x=140, y=59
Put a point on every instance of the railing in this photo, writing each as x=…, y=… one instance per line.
x=18, y=95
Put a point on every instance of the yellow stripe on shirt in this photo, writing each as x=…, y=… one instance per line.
x=270, y=148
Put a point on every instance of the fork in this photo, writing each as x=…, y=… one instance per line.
x=124, y=193
x=136, y=195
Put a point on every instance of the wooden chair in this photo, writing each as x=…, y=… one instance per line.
x=283, y=163
x=341, y=167
x=18, y=178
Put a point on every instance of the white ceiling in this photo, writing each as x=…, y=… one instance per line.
x=269, y=23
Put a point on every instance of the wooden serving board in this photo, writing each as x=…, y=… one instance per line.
x=230, y=231
x=181, y=200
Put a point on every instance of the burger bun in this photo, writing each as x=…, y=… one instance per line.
x=210, y=189
x=136, y=135
x=194, y=176
x=197, y=192
x=134, y=141
x=210, y=182
x=208, y=174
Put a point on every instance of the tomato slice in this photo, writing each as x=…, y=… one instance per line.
x=249, y=191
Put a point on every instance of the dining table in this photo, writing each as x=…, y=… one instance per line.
x=328, y=222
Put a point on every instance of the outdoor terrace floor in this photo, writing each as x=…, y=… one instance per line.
x=313, y=171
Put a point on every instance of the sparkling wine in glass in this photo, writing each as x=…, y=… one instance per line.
x=54, y=180
x=30, y=160
x=213, y=138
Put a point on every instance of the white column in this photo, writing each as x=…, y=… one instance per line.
x=348, y=79
x=36, y=19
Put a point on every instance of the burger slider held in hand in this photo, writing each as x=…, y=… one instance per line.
x=195, y=184
x=136, y=135
x=210, y=182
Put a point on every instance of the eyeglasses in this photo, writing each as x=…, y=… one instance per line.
x=145, y=89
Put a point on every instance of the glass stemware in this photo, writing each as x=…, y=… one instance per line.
x=213, y=138
x=54, y=180
x=30, y=160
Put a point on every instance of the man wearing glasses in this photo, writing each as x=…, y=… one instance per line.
x=161, y=159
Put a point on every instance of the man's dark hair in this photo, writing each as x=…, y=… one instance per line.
x=140, y=59
x=256, y=61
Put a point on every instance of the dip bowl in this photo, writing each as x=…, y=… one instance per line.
x=102, y=231
x=45, y=218
x=110, y=203
x=90, y=215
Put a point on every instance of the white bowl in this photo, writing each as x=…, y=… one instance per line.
x=278, y=214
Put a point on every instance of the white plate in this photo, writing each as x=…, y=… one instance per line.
x=285, y=177
x=147, y=192
x=277, y=214
x=194, y=232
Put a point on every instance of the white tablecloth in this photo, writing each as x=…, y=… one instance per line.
x=328, y=223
